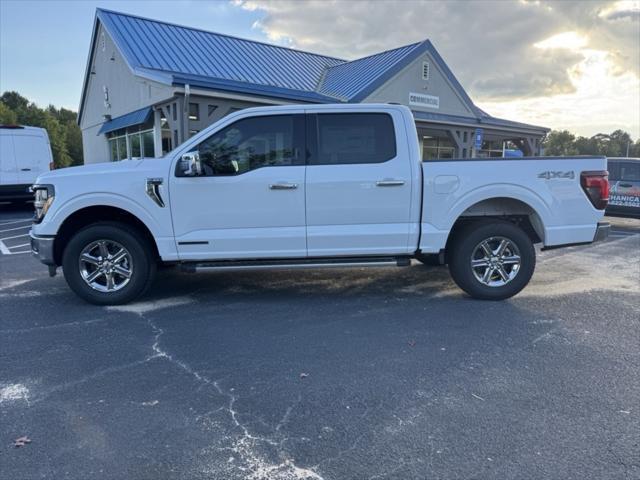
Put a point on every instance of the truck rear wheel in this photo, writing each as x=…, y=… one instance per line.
x=108, y=264
x=492, y=261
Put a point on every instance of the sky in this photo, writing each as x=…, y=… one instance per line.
x=567, y=64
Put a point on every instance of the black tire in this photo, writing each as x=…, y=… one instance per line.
x=142, y=263
x=463, y=250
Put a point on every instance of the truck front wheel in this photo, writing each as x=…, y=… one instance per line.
x=108, y=264
x=492, y=261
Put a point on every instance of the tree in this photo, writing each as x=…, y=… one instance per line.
x=586, y=146
x=560, y=143
x=614, y=144
x=14, y=101
x=7, y=116
x=65, y=137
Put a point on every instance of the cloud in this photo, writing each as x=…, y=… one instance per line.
x=490, y=45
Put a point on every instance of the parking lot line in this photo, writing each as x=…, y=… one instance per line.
x=15, y=221
x=3, y=249
x=12, y=229
x=15, y=236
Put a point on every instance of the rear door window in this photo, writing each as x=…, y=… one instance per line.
x=613, y=167
x=351, y=138
x=630, y=171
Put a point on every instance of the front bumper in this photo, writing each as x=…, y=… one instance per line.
x=42, y=249
x=602, y=231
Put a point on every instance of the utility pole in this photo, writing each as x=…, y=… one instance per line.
x=628, y=143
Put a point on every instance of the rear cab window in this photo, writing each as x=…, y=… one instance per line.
x=350, y=138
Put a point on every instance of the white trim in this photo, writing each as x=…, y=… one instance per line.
x=232, y=96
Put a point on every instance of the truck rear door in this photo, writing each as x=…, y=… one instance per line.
x=358, y=184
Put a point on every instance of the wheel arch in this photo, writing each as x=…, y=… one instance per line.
x=95, y=214
x=527, y=211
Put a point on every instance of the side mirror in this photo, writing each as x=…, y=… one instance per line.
x=190, y=165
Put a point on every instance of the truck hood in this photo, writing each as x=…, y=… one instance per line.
x=107, y=168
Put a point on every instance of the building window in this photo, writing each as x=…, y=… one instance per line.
x=491, y=149
x=211, y=109
x=194, y=111
x=435, y=147
x=148, y=144
x=131, y=143
x=425, y=70
x=135, y=146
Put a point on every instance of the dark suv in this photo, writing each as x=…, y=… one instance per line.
x=624, y=178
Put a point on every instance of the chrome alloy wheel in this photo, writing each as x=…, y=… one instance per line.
x=495, y=261
x=105, y=265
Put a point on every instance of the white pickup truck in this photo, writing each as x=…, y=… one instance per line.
x=312, y=186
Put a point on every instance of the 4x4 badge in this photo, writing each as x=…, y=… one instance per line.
x=549, y=175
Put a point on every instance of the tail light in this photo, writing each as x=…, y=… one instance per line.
x=52, y=166
x=596, y=186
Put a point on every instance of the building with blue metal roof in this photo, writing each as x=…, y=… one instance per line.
x=150, y=85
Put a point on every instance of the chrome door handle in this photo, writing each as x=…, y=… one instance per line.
x=283, y=186
x=390, y=183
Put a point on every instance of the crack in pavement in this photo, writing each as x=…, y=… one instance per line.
x=256, y=465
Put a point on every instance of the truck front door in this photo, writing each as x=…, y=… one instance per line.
x=359, y=181
x=248, y=201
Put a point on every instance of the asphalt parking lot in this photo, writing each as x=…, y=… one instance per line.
x=331, y=374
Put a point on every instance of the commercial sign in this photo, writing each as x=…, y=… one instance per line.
x=424, y=100
x=478, y=138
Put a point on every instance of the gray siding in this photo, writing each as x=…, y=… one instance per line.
x=126, y=93
x=408, y=80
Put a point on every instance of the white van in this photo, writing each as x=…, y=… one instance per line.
x=25, y=153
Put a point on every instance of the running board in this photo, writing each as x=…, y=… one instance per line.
x=229, y=265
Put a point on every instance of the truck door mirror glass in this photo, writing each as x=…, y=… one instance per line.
x=190, y=165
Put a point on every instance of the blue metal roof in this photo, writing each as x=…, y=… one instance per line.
x=187, y=51
x=179, y=55
x=348, y=79
x=133, y=118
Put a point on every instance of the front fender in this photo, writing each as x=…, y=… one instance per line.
x=52, y=222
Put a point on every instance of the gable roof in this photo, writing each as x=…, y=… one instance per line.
x=179, y=55
x=348, y=79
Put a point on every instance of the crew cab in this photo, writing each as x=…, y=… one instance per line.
x=312, y=186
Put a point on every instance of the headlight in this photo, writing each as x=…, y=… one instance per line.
x=44, y=195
